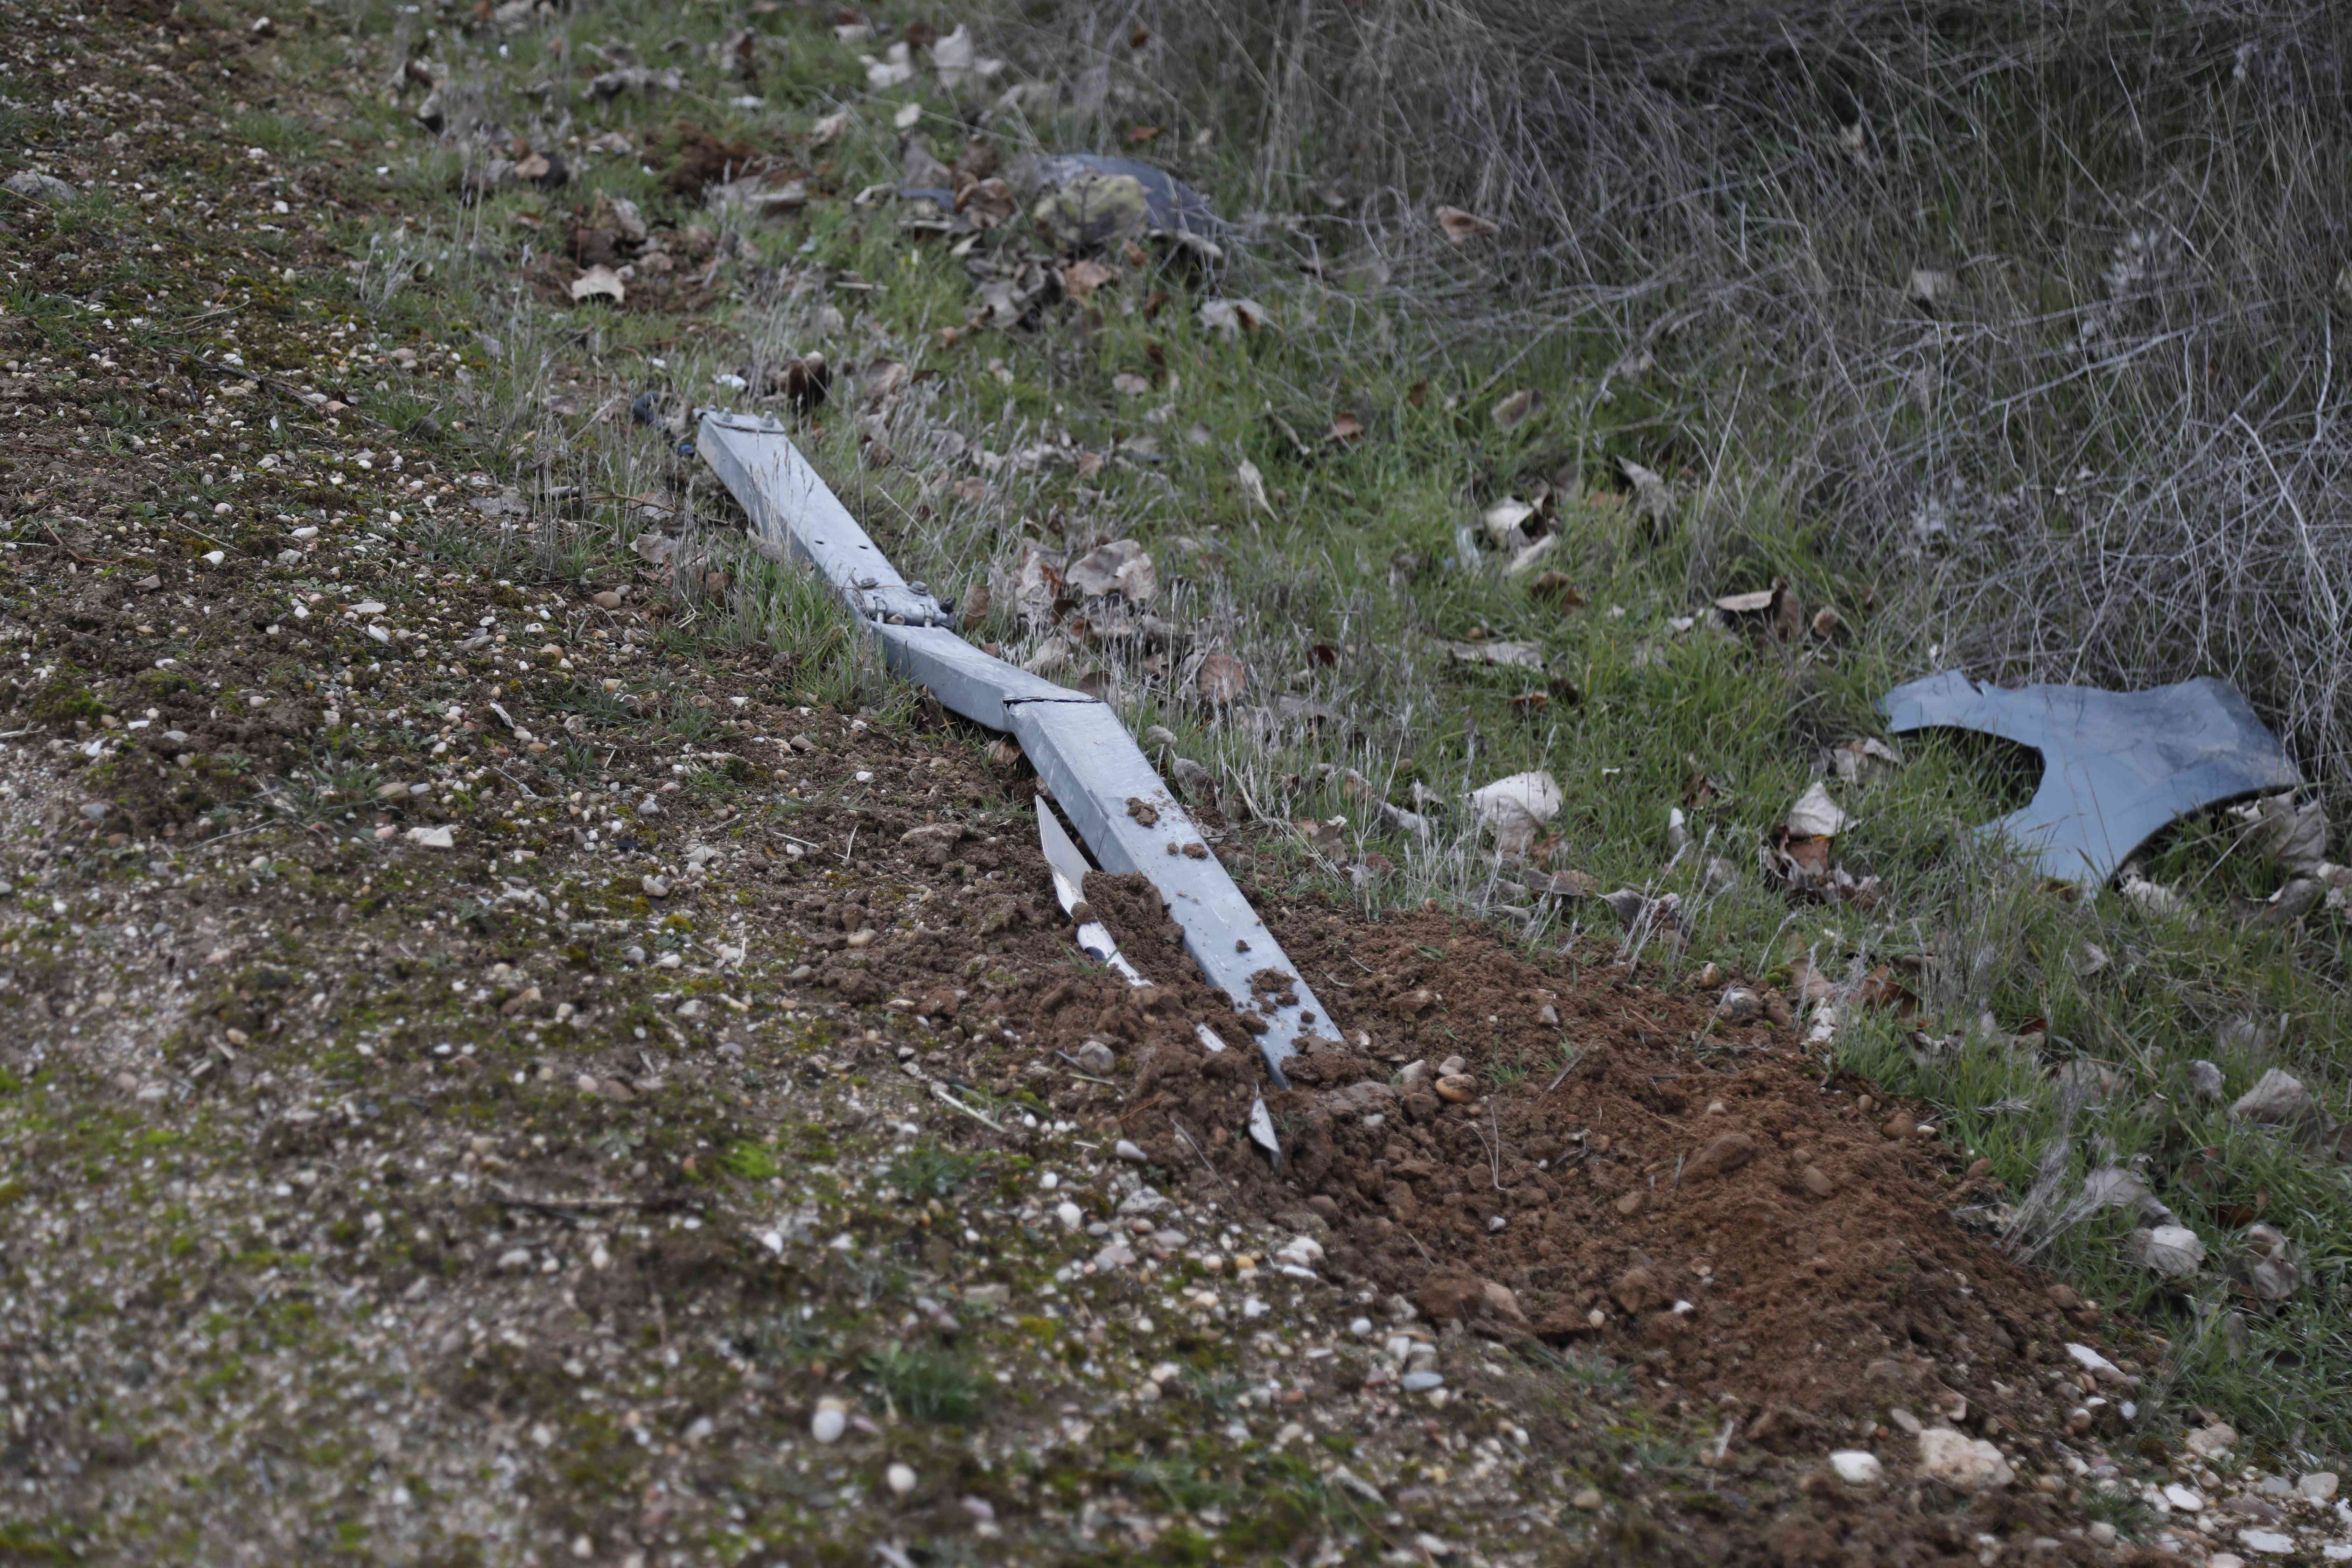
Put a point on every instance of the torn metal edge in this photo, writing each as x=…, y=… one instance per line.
x=2117, y=766
x=1084, y=755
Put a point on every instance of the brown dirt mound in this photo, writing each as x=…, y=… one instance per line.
x=1633, y=1170
x=1645, y=1176
x=1614, y=1165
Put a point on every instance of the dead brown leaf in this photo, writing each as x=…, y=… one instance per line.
x=1346, y=429
x=1556, y=588
x=1460, y=226
x=1221, y=679
x=1081, y=279
x=1513, y=411
x=1776, y=609
x=1879, y=989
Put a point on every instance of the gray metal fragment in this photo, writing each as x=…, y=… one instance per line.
x=2117, y=766
x=1084, y=755
x=1093, y=768
x=977, y=685
x=793, y=510
x=1069, y=868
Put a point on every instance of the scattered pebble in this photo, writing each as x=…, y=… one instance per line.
x=1966, y=1464
x=1857, y=1466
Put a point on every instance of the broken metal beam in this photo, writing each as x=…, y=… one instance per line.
x=1122, y=809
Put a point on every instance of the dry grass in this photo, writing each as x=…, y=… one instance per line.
x=2106, y=450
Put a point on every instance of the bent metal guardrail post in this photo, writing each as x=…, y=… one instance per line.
x=1087, y=761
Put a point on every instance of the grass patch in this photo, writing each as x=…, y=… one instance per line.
x=928, y=1171
x=926, y=1384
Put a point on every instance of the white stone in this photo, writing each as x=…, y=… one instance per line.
x=2318, y=1486
x=1857, y=1466
x=2174, y=1251
x=1965, y=1463
x=2277, y=1098
x=2271, y=1543
x=1304, y=1250
x=1070, y=1214
x=832, y=1419
x=901, y=1478
x=2097, y=1366
x=2210, y=1442
x=2183, y=1499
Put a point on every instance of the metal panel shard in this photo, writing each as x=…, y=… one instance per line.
x=2117, y=766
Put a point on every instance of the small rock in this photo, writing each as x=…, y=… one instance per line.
x=1070, y=1214
x=1637, y=1289
x=832, y=1419
x=1740, y=1005
x=33, y=185
x=1964, y=1463
x=432, y=837
x=2173, y=1251
x=1588, y=1500
x=1096, y=1058
x=2279, y=1098
x=1303, y=1250
x=2319, y=1486
x=1459, y=1088
x=2212, y=1441
x=1130, y=1153
x=2205, y=1081
x=1420, y=1382
x=2097, y=1366
x=2101, y=1533
x=1817, y=1181
x=1857, y=1466
x=2225, y=1560
x=1899, y=1125
x=655, y=887
x=1721, y=1157
x=2183, y=1499
x=1453, y=1066
x=2271, y=1543
x=901, y=1478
